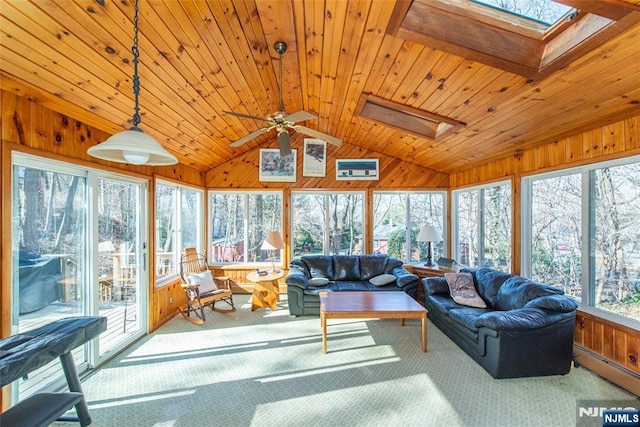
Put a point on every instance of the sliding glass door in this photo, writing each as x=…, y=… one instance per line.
x=121, y=260
x=78, y=249
x=49, y=252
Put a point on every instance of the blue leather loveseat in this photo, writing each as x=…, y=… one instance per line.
x=310, y=275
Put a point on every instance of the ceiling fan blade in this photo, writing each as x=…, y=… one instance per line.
x=284, y=142
x=249, y=137
x=320, y=135
x=300, y=116
x=246, y=116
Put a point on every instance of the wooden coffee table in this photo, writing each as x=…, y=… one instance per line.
x=375, y=304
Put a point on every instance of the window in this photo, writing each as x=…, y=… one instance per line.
x=547, y=12
x=239, y=223
x=482, y=226
x=179, y=213
x=582, y=228
x=555, y=233
x=392, y=211
x=327, y=223
x=532, y=38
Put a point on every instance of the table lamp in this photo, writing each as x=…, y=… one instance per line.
x=273, y=242
x=429, y=233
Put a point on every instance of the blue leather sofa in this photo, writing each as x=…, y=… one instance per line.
x=526, y=329
x=343, y=273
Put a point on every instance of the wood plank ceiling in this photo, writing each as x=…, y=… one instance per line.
x=198, y=58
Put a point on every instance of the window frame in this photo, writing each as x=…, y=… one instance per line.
x=326, y=193
x=199, y=216
x=587, y=280
x=455, y=220
x=407, y=218
x=246, y=194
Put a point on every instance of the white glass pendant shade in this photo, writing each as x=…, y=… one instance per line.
x=135, y=147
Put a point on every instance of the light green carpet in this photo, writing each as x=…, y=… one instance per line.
x=266, y=368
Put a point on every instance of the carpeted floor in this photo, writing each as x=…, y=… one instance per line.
x=266, y=368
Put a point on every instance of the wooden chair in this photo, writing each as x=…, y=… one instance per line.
x=201, y=288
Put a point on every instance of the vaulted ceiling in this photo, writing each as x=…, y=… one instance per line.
x=200, y=58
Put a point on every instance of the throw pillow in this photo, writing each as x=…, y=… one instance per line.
x=318, y=281
x=204, y=280
x=462, y=290
x=383, y=279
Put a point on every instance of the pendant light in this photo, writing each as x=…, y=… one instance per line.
x=133, y=145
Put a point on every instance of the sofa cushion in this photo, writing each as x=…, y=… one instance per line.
x=383, y=279
x=517, y=291
x=318, y=281
x=488, y=282
x=391, y=264
x=435, y=285
x=300, y=266
x=351, y=285
x=559, y=303
x=372, y=265
x=463, y=291
x=346, y=267
x=319, y=266
x=467, y=317
x=441, y=303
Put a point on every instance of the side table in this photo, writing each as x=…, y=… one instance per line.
x=266, y=291
x=423, y=271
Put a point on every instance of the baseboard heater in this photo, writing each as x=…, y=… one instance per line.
x=617, y=374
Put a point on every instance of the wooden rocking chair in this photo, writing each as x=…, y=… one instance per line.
x=201, y=288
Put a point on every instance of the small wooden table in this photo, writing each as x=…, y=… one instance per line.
x=376, y=304
x=266, y=291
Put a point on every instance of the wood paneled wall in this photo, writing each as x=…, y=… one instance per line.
x=615, y=140
x=610, y=349
x=31, y=127
x=243, y=171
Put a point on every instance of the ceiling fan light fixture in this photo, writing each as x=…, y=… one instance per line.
x=281, y=120
x=133, y=146
x=284, y=142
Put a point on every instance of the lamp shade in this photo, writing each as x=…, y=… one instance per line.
x=429, y=233
x=133, y=146
x=273, y=241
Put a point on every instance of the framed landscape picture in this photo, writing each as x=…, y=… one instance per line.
x=274, y=168
x=360, y=169
x=315, y=157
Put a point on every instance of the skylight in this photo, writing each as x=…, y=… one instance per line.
x=546, y=12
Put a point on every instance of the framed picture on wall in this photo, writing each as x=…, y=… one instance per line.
x=315, y=157
x=360, y=169
x=274, y=168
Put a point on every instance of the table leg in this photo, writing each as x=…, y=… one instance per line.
x=276, y=289
x=424, y=333
x=71, y=374
x=402, y=322
x=323, y=323
x=263, y=296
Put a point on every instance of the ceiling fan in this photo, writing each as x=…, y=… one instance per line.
x=281, y=121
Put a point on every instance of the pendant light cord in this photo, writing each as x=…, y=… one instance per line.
x=136, y=79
